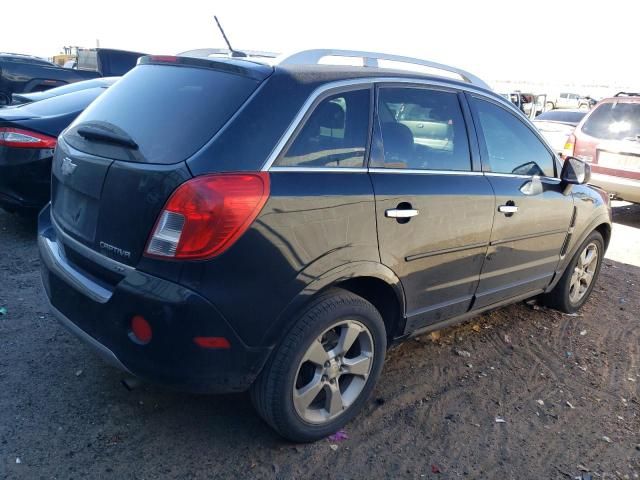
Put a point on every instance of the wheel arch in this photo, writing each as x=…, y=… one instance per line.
x=373, y=281
x=602, y=225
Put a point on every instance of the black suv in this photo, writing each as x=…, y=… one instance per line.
x=218, y=225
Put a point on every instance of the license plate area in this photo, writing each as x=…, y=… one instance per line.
x=619, y=161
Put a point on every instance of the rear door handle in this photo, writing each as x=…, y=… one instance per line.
x=400, y=213
x=507, y=209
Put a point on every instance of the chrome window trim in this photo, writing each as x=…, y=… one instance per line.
x=319, y=169
x=418, y=171
x=366, y=82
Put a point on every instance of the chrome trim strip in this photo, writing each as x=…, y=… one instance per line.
x=516, y=175
x=320, y=169
x=446, y=250
x=529, y=236
x=56, y=261
x=424, y=172
x=100, y=349
x=277, y=150
x=105, y=262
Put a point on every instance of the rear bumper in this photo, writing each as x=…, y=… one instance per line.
x=25, y=178
x=100, y=314
x=624, y=188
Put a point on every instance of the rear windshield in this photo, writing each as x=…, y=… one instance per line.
x=169, y=111
x=614, y=121
x=60, y=105
x=562, y=116
x=71, y=87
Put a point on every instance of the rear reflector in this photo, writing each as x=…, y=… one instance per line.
x=18, y=138
x=207, y=214
x=212, y=342
x=140, y=330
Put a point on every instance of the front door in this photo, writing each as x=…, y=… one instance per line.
x=434, y=210
x=533, y=213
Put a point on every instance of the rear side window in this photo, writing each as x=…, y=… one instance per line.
x=334, y=135
x=169, y=111
x=511, y=146
x=614, y=121
x=422, y=129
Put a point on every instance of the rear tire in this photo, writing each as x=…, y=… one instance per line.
x=580, y=276
x=325, y=368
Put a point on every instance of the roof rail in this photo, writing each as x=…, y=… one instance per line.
x=370, y=59
x=627, y=94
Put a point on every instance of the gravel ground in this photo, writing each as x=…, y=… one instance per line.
x=567, y=388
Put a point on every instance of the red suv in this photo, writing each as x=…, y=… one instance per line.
x=608, y=137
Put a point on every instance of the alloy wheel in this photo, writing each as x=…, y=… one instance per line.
x=583, y=273
x=333, y=372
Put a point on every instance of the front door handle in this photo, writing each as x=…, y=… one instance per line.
x=509, y=209
x=401, y=213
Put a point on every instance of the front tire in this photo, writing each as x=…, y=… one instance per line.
x=322, y=373
x=579, y=278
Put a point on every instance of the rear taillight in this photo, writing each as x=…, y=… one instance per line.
x=569, y=146
x=207, y=214
x=18, y=138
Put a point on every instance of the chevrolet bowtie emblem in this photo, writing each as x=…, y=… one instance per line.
x=68, y=167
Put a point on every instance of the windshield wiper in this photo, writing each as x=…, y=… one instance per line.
x=107, y=137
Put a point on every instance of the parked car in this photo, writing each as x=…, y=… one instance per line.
x=557, y=125
x=28, y=136
x=569, y=101
x=528, y=103
x=608, y=138
x=20, y=98
x=219, y=225
x=25, y=74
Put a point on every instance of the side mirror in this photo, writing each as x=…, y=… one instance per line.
x=575, y=171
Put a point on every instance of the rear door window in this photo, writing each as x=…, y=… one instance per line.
x=168, y=111
x=614, y=121
x=511, y=146
x=334, y=135
x=422, y=129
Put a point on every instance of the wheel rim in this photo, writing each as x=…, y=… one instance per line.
x=583, y=273
x=333, y=372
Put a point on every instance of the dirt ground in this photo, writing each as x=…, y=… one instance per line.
x=567, y=388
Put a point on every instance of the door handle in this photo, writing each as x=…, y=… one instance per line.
x=401, y=213
x=508, y=209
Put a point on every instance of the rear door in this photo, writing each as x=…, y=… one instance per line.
x=533, y=214
x=434, y=209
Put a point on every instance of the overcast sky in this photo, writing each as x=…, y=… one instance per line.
x=556, y=41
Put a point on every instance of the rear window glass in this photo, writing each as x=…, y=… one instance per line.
x=614, y=121
x=71, y=87
x=169, y=111
x=71, y=102
x=562, y=116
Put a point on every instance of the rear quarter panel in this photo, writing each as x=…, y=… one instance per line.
x=312, y=223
